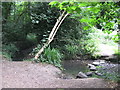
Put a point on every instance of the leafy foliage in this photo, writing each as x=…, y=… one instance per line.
x=71, y=51
x=9, y=50
x=104, y=14
x=51, y=56
x=25, y=24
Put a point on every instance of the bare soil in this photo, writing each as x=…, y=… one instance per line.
x=25, y=74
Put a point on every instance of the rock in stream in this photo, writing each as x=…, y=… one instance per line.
x=81, y=75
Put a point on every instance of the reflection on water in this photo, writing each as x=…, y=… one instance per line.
x=72, y=67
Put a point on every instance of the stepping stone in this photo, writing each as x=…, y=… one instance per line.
x=93, y=68
x=90, y=65
x=81, y=75
x=96, y=63
x=89, y=73
x=111, y=57
x=99, y=74
x=102, y=61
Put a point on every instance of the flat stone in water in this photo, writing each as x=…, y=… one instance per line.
x=102, y=61
x=81, y=75
x=89, y=73
x=96, y=63
x=97, y=73
x=90, y=65
x=93, y=68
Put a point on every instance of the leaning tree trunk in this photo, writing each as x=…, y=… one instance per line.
x=53, y=33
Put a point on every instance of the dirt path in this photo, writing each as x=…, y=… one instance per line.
x=30, y=75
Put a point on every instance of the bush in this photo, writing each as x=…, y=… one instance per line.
x=51, y=56
x=84, y=46
x=36, y=49
x=9, y=50
x=70, y=51
x=88, y=47
x=31, y=37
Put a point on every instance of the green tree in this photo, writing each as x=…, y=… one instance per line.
x=67, y=7
x=91, y=15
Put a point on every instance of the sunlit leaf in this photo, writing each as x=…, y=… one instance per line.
x=53, y=2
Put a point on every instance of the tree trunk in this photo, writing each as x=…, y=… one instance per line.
x=53, y=33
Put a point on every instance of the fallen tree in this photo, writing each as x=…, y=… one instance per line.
x=65, y=6
x=53, y=32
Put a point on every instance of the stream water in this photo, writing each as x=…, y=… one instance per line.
x=73, y=67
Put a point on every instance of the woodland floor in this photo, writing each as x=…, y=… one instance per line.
x=25, y=74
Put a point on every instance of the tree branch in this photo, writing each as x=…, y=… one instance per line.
x=53, y=33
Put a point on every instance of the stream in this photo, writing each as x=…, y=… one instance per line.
x=73, y=67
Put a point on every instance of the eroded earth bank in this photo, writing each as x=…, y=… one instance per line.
x=25, y=74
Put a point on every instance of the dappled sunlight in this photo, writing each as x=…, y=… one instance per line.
x=107, y=50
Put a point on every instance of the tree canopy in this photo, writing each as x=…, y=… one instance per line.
x=29, y=25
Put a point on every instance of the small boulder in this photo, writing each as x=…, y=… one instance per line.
x=96, y=63
x=93, y=68
x=102, y=61
x=81, y=75
x=97, y=73
x=90, y=65
x=89, y=73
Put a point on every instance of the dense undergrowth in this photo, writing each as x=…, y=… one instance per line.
x=75, y=39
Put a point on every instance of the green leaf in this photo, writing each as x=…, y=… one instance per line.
x=45, y=35
x=69, y=10
x=65, y=3
x=78, y=10
x=43, y=40
x=82, y=4
x=84, y=20
x=72, y=3
x=73, y=7
x=86, y=27
x=60, y=6
x=53, y=3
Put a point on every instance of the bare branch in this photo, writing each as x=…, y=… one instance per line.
x=53, y=33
